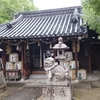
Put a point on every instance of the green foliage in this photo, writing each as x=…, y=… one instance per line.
x=9, y=7
x=91, y=14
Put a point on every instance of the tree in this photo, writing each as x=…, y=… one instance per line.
x=9, y=7
x=91, y=14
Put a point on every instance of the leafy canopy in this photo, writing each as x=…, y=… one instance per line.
x=91, y=14
x=9, y=7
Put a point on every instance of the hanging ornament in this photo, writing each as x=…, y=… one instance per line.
x=17, y=48
x=50, y=45
x=78, y=45
x=27, y=47
x=79, y=38
x=1, y=49
x=8, y=48
x=38, y=43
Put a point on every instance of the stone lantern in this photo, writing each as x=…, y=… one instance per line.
x=60, y=48
x=58, y=84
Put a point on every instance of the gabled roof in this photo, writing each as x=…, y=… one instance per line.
x=44, y=23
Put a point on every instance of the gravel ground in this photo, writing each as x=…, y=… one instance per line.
x=24, y=94
x=8, y=91
x=83, y=94
x=21, y=93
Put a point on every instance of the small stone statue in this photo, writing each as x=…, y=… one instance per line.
x=54, y=71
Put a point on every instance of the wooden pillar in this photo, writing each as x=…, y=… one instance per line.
x=22, y=60
x=4, y=59
x=41, y=65
x=89, y=56
x=76, y=56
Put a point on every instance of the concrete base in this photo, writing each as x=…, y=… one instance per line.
x=15, y=84
x=95, y=84
x=85, y=85
x=56, y=83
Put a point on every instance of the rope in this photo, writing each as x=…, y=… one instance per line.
x=48, y=42
x=34, y=42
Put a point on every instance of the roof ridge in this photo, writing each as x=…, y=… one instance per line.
x=13, y=21
x=49, y=11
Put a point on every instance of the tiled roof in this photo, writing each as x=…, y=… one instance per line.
x=45, y=23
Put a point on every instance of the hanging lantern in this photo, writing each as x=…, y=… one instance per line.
x=50, y=45
x=17, y=48
x=38, y=43
x=27, y=47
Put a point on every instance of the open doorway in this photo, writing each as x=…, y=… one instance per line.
x=35, y=59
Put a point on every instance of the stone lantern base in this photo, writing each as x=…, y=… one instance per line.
x=57, y=91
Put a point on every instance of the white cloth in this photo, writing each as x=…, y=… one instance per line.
x=47, y=69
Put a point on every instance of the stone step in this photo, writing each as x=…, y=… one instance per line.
x=84, y=85
x=34, y=76
x=15, y=84
x=95, y=84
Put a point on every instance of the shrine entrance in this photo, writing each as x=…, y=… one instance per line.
x=35, y=57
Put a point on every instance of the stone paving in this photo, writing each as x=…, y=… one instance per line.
x=25, y=94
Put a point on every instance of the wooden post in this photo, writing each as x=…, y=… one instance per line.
x=41, y=57
x=76, y=56
x=4, y=59
x=89, y=56
x=22, y=59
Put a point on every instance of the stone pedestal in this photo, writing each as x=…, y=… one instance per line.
x=57, y=91
x=1, y=77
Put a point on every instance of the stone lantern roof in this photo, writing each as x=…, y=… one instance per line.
x=60, y=45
